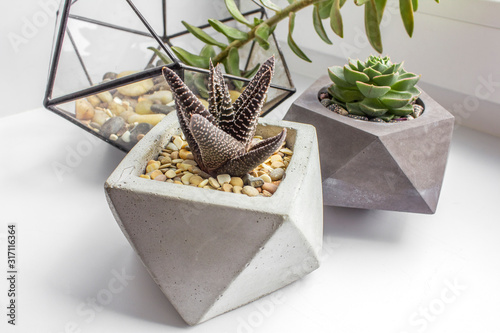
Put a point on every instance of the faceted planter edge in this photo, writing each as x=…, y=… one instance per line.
x=211, y=251
x=387, y=166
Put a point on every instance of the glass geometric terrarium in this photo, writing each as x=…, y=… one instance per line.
x=105, y=77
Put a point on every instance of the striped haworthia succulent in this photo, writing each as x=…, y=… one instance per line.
x=220, y=138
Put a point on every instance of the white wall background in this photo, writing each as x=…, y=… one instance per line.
x=456, y=48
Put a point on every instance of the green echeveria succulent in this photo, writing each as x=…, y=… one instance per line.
x=375, y=88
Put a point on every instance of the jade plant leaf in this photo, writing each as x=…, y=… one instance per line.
x=202, y=35
x=372, y=91
x=235, y=12
x=229, y=32
x=405, y=7
x=262, y=35
x=271, y=5
x=232, y=65
x=163, y=57
x=199, y=83
x=293, y=46
x=318, y=25
x=414, y=4
x=372, y=27
x=336, y=19
x=324, y=9
x=190, y=58
x=380, y=7
x=207, y=51
x=251, y=72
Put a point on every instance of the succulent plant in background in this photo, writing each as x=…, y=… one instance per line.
x=376, y=88
x=220, y=138
x=259, y=30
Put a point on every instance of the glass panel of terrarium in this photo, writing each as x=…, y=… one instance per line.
x=116, y=13
x=92, y=53
x=258, y=55
x=194, y=12
x=122, y=116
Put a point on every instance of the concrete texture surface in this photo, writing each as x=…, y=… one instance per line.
x=392, y=166
x=211, y=251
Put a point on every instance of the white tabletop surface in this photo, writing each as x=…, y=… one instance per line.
x=381, y=271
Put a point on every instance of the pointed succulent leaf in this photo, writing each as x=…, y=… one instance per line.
x=293, y=46
x=371, y=72
x=216, y=146
x=235, y=12
x=345, y=95
x=190, y=58
x=380, y=67
x=271, y=5
x=385, y=80
x=163, y=57
x=360, y=2
x=380, y=7
x=336, y=19
x=239, y=166
x=336, y=74
x=219, y=100
x=324, y=9
x=394, y=68
x=250, y=72
x=361, y=66
x=202, y=35
x=405, y=83
x=229, y=32
x=387, y=116
x=354, y=109
x=249, y=104
x=208, y=52
x=403, y=111
x=318, y=25
x=372, y=27
x=353, y=65
x=372, y=107
x=232, y=65
x=414, y=4
x=406, y=9
x=395, y=99
x=372, y=91
x=352, y=76
x=414, y=92
x=262, y=35
x=199, y=83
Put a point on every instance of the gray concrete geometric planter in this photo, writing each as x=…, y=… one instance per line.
x=389, y=166
x=211, y=251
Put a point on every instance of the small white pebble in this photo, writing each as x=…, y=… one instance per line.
x=224, y=178
x=113, y=137
x=126, y=136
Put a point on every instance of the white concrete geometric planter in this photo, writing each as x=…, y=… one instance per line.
x=211, y=251
x=369, y=165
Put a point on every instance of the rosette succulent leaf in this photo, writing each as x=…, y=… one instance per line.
x=374, y=88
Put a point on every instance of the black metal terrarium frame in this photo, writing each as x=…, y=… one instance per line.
x=164, y=44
